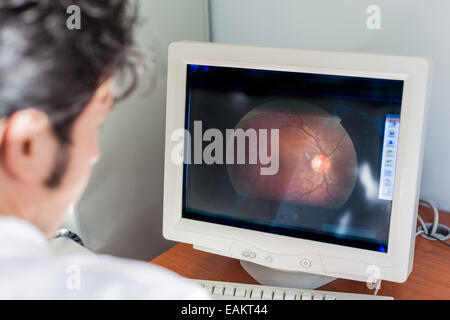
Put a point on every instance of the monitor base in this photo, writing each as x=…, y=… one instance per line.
x=278, y=278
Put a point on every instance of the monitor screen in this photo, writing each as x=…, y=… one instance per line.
x=303, y=155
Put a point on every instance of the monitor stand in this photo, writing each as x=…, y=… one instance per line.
x=278, y=278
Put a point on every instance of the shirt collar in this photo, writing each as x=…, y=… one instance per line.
x=21, y=238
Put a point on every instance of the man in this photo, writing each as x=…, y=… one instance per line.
x=56, y=90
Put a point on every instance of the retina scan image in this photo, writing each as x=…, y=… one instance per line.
x=317, y=159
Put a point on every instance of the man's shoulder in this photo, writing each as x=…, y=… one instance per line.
x=98, y=277
x=134, y=279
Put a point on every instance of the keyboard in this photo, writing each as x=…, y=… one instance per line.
x=238, y=291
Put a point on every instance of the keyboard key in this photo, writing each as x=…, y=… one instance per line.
x=330, y=297
x=256, y=294
x=289, y=295
x=229, y=291
x=306, y=296
x=278, y=295
x=318, y=296
x=209, y=288
x=240, y=292
x=218, y=290
x=267, y=295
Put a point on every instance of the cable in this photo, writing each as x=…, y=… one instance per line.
x=64, y=233
x=434, y=230
x=442, y=241
x=377, y=287
x=436, y=214
x=424, y=227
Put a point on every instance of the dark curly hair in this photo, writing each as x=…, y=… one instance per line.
x=45, y=65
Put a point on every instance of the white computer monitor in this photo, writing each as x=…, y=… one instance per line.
x=345, y=135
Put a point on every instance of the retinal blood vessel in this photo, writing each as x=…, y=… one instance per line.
x=317, y=158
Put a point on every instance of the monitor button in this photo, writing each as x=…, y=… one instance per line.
x=305, y=263
x=269, y=259
x=249, y=254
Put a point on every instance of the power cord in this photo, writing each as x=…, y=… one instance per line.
x=378, y=286
x=64, y=233
x=433, y=230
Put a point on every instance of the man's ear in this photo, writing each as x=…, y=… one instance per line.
x=28, y=146
x=2, y=131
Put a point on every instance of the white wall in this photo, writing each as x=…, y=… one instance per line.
x=121, y=210
x=413, y=27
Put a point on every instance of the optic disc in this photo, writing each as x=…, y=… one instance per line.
x=320, y=163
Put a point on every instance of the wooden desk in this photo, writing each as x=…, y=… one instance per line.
x=430, y=278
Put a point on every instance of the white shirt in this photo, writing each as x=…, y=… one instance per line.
x=29, y=270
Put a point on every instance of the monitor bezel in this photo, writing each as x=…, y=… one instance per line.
x=336, y=260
